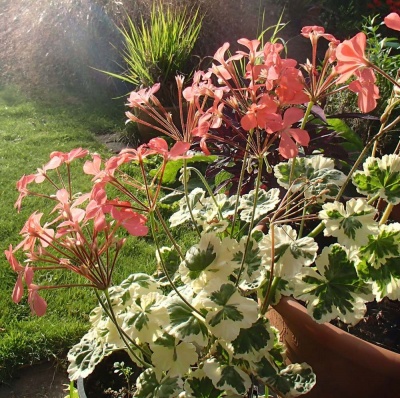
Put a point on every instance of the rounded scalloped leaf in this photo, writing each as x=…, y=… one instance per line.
x=185, y=325
x=228, y=310
x=315, y=175
x=290, y=253
x=292, y=381
x=385, y=280
x=266, y=202
x=254, y=341
x=148, y=386
x=229, y=378
x=333, y=289
x=350, y=223
x=84, y=356
x=380, y=177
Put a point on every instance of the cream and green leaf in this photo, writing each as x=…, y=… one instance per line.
x=332, y=288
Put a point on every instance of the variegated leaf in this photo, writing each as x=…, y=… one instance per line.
x=266, y=202
x=314, y=175
x=333, y=289
x=380, y=176
x=385, y=280
x=84, y=356
x=185, y=325
x=148, y=386
x=382, y=246
x=291, y=381
x=228, y=310
x=253, y=341
x=351, y=224
x=225, y=377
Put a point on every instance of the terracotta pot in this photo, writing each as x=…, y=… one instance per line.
x=346, y=366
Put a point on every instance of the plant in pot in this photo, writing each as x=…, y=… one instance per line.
x=155, y=50
x=199, y=326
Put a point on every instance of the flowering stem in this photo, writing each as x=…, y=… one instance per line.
x=251, y=224
x=63, y=286
x=306, y=114
x=186, y=191
x=273, y=281
x=171, y=282
x=125, y=338
x=360, y=158
x=386, y=214
x=293, y=165
x=241, y=177
x=273, y=285
x=302, y=222
x=317, y=230
x=167, y=231
x=384, y=74
x=209, y=190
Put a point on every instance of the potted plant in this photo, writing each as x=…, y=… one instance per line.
x=280, y=219
x=156, y=50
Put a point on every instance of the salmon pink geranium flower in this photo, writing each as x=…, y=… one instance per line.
x=290, y=136
x=37, y=303
x=178, y=151
x=366, y=89
x=22, y=185
x=315, y=32
x=392, y=21
x=257, y=115
x=351, y=57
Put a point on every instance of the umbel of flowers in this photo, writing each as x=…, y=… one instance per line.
x=197, y=327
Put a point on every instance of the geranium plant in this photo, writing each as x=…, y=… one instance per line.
x=197, y=327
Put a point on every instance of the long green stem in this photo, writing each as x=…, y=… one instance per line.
x=385, y=75
x=168, y=232
x=300, y=234
x=124, y=336
x=186, y=191
x=273, y=281
x=386, y=214
x=251, y=224
x=208, y=188
x=383, y=129
x=241, y=177
x=270, y=294
x=170, y=281
x=293, y=165
x=359, y=160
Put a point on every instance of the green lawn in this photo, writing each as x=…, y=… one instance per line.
x=29, y=131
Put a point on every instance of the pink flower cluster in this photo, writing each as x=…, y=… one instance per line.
x=80, y=234
x=262, y=104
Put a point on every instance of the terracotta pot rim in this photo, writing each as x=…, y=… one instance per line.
x=329, y=336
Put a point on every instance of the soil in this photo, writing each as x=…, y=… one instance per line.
x=104, y=383
x=380, y=326
x=45, y=380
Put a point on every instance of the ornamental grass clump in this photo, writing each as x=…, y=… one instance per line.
x=155, y=50
x=197, y=327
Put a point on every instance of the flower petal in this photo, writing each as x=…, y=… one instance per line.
x=392, y=21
